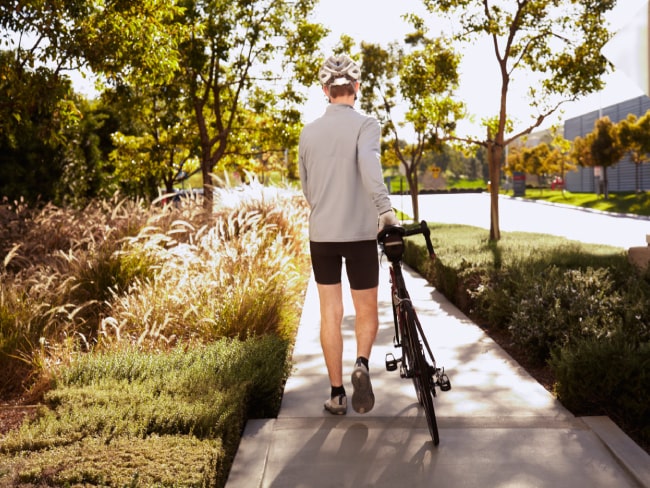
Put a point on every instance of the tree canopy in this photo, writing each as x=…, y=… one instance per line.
x=557, y=41
x=423, y=78
x=229, y=65
x=634, y=134
x=218, y=83
x=226, y=67
x=600, y=148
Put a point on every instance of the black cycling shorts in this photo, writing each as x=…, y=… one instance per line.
x=361, y=263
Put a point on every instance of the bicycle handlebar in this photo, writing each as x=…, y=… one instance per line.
x=397, y=229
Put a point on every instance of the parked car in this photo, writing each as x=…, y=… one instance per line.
x=191, y=193
x=557, y=183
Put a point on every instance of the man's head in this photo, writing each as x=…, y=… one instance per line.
x=339, y=76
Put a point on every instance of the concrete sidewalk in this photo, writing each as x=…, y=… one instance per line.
x=498, y=426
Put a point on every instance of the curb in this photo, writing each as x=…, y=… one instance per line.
x=629, y=454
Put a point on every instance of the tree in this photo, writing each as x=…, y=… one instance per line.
x=581, y=152
x=552, y=158
x=600, y=148
x=38, y=116
x=453, y=162
x=226, y=58
x=530, y=160
x=47, y=39
x=605, y=146
x=238, y=56
x=536, y=160
x=154, y=146
x=560, y=160
x=634, y=135
x=83, y=161
x=112, y=37
x=558, y=41
x=227, y=93
x=267, y=144
x=424, y=78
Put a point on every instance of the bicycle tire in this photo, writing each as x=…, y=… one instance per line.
x=408, y=362
x=401, y=337
x=422, y=378
x=408, y=359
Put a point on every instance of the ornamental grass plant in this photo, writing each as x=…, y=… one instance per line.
x=147, y=334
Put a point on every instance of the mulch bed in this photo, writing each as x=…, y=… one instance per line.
x=13, y=413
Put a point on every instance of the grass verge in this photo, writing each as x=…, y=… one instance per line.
x=625, y=203
x=579, y=311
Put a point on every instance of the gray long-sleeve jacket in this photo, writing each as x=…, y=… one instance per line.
x=340, y=172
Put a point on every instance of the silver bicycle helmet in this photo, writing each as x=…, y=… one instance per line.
x=339, y=70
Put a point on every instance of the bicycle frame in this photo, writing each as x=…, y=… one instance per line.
x=400, y=296
x=409, y=335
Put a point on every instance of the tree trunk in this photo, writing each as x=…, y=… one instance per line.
x=414, y=197
x=494, y=164
x=412, y=178
x=208, y=194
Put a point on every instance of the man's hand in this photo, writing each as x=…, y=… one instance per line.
x=387, y=218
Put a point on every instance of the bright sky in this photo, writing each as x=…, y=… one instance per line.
x=379, y=21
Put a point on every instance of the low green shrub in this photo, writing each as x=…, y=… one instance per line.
x=124, y=462
x=582, y=307
x=606, y=376
x=563, y=307
x=545, y=290
x=202, y=393
x=416, y=255
x=635, y=291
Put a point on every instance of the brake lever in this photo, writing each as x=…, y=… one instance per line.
x=427, y=239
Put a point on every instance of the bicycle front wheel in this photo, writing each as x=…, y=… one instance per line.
x=422, y=378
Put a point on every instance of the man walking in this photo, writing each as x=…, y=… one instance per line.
x=341, y=176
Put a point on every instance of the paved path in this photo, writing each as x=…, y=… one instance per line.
x=498, y=426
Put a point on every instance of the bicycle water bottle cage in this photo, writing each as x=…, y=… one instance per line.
x=392, y=241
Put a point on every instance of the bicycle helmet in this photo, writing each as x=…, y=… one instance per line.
x=339, y=70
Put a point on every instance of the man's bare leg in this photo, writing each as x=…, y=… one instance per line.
x=367, y=323
x=367, y=320
x=331, y=339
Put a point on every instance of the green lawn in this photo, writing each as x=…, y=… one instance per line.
x=630, y=203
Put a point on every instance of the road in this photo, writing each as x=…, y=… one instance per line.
x=517, y=214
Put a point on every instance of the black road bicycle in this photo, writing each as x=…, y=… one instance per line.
x=417, y=361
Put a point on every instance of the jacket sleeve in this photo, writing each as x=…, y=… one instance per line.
x=302, y=169
x=369, y=160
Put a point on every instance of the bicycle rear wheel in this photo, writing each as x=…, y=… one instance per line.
x=422, y=379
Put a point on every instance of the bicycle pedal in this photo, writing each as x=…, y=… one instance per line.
x=391, y=362
x=444, y=383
